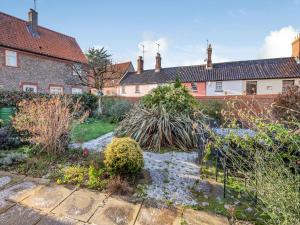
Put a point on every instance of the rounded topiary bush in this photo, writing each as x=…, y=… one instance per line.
x=124, y=156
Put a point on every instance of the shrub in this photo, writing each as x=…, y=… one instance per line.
x=212, y=108
x=287, y=105
x=118, y=110
x=156, y=128
x=8, y=137
x=173, y=97
x=11, y=158
x=47, y=121
x=95, y=178
x=123, y=156
x=13, y=98
x=118, y=185
x=73, y=175
x=269, y=161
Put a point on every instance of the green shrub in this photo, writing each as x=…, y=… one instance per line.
x=118, y=110
x=13, y=98
x=123, y=156
x=73, y=175
x=8, y=137
x=156, y=128
x=173, y=97
x=212, y=108
x=95, y=178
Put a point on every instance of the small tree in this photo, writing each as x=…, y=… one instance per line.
x=97, y=72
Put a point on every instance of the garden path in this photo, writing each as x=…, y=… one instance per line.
x=29, y=201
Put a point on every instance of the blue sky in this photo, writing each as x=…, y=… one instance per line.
x=237, y=29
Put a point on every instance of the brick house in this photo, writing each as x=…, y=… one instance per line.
x=111, y=86
x=34, y=58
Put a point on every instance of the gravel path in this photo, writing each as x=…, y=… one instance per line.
x=172, y=174
x=97, y=145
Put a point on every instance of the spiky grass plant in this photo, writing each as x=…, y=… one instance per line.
x=156, y=128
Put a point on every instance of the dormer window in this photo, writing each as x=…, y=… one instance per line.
x=11, y=58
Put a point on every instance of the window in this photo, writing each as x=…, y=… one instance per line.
x=11, y=58
x=123, y=90
x=219, y=86
x=77, y=70
x=76, y=91
x=29, y=88
x=194, y=87
x=286, y=84
x=137, y=89
x=251, y=87
x=55, y=90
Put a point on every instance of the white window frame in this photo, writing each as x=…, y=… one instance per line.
x=194, y=87
x=11, y=55
x=219, y=86
x=29, y=86
x=52, y=90
x=76, y=91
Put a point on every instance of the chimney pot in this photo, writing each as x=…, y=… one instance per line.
x=296, y=47
x=158, y=63
x=209, y=60
x=33, y=22
x=140, y=65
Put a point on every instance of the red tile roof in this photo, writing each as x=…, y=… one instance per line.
x=14, y=34
x=120, y=69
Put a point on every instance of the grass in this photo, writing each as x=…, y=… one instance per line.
x=91, y=129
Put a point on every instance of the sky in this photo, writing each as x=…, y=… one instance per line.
x=237, y=29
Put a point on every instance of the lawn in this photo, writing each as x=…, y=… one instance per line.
x=91, y=129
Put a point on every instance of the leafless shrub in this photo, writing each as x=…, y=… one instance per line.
x=118, y=185
x=47, y=121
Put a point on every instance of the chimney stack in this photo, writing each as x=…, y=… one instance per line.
x=209, y=60
x=33, y=22
x=158, y=63
x=140, y=65
x=296, y=47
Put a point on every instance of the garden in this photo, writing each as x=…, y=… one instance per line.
x=230, y=158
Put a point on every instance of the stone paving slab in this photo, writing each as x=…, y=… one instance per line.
x=8, y=179
x=81, y=205
x=194, y=217
x=19, y=215
x=157, y=214
x=116, y=212
x=52, y=219
x=14, y=194
x=46, y=198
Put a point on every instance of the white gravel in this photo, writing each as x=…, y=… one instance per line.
x=97, y=145
x=173, y=174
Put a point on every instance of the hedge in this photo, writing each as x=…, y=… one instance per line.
x=12, y=98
